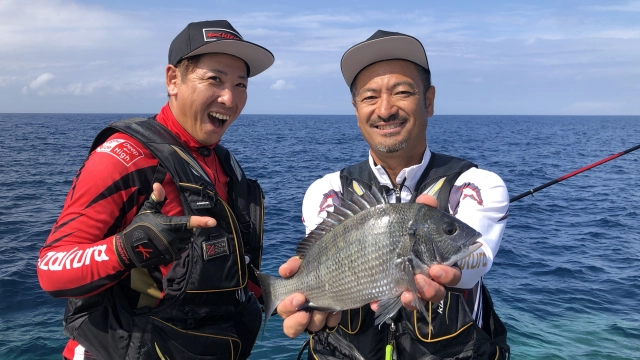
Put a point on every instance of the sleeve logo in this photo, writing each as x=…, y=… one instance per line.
x=328, y=199
x=124, y=150
x=75, y=258
x=464, y=191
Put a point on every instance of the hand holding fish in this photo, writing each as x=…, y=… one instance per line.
x=295, y=321
x=441, y=275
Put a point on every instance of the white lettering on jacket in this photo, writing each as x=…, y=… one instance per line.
x=75, y=258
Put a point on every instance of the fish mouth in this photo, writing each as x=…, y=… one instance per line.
x=475, y=245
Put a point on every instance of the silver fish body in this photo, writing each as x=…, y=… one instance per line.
x=358, y=257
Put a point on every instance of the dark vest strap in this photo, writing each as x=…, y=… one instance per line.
x=166, y=147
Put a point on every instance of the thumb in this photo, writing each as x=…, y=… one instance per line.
x=158, y=193
x=428, y=200
x=156, y=200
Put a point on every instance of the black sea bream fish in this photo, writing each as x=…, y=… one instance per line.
x=366, y=250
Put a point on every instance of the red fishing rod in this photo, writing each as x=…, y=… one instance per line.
x=530, y=192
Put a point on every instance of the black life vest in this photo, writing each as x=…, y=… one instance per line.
x=206, y=311
x=455, y=334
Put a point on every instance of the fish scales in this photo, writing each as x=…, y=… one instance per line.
x=358, y=260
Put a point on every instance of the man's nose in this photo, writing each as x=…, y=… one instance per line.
x=386, y=108
x=226, y=97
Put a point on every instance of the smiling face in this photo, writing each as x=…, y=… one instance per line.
x=207, y=99
x=392, y=109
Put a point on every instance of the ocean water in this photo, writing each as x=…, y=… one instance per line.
x=565, y=282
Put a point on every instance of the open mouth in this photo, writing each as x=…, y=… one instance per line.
x=468, y=251
x=389, y=126
x=217, y=120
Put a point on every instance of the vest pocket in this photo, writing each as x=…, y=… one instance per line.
x=168, y=341
x=216, y=258
x=454, y=333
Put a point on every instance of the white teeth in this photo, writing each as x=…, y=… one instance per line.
x=388, y=127
x=219, y=116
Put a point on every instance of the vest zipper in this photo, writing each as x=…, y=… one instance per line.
x=398, y=191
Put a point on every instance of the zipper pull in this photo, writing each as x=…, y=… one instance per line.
x=390, y=349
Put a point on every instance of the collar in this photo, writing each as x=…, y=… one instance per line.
x=410, y=174
x=166, y=118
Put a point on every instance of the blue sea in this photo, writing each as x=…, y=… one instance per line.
x=565, y=282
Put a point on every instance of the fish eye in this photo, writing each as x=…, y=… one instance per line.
x=449, y=228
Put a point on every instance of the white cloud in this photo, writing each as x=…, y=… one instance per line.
x=476, y=80
x=41, y=80
x=281, y=85
x=41, y=26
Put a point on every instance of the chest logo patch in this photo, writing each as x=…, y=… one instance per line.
x=215, y=247
x=124, y=150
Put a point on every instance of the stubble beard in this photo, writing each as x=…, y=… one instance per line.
x=393, y=146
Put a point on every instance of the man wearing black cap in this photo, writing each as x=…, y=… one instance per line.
x=390, y=82
x=161, y=231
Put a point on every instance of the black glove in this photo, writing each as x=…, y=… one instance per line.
x=152, y=238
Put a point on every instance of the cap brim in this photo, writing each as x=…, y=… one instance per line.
x=258, y=58
x=387, y=48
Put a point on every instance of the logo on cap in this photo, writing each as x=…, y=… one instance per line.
x=220, y=34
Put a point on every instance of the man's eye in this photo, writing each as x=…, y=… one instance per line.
x=215, y=78
x=242, y=85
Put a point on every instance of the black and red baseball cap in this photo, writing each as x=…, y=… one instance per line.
x=218, y=36
x=382, y=45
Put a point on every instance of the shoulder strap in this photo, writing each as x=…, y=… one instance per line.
x=439, y=176
x=238, y=184
x=166, y=147
x=360, y=172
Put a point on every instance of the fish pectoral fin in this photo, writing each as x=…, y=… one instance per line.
x=387, y=308
x=417, y=301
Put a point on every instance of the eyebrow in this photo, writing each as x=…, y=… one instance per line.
x=404, y=83
x=395, y=85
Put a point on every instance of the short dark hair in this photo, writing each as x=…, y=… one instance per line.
x=425, y=78
x=186, y=65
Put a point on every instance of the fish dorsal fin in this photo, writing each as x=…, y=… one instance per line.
x=343, y=209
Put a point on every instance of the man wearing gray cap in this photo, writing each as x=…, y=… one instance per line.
x=158, y=239
x=390, y=82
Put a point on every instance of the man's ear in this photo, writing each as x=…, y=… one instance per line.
x=172, y=77
x=430, y=97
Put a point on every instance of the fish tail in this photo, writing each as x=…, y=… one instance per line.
x=269, y=295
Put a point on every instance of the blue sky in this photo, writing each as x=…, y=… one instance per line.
x=487, y=57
